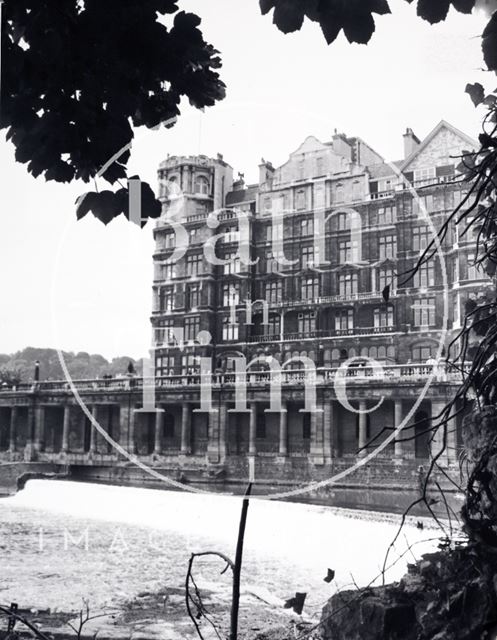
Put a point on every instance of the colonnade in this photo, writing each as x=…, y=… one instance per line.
x=326, y=430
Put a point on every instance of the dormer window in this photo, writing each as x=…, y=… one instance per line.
x=424, y=174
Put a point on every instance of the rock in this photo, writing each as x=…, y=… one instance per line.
x=452, y=597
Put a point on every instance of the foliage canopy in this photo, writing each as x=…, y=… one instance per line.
x=78, y=75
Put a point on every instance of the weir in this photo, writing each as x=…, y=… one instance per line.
x=44, y=428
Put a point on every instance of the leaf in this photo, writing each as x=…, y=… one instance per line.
x=329, y=576
x=266, y=6
x=489, y=43
x=355, y=17
x=296, y=603
x=84, y=204
x=476, y=93
x=288, y=16
x=433, y=10
x=386, y=293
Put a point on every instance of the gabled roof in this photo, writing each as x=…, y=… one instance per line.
x=441, y=125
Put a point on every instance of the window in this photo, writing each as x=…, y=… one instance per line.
x=420, y=238
x=202, y=186
x=273, y=291
x=189, y=365
x=343, y=221
x=424, y=312
x=166, y=299
x=268, y=232
x=260, y=426
x=383, y=317
x=192, y=327
x=307, y=322
x=474, y=270
x=300, y=200
x=301, y=169
x=424, y=174
x=230, y=331
x=339, y=193
x=387, y=185
x=193, y=295
x=344, y=320
x=307, y=227
x=319, y=166
x=163, y=333
x=168, y=271
x=386, y=277
x=164, y=365
x=356, y=190
x=388, y=246
x=193, y=264
x=344, y=251
x=231, y=234
x=169, y=241
x=231, y=294
x=274, y=325
x=192, y=236
x=271, y=263
x=233, y=263
x=421, y=353
x=347, y=284
x=422, y=204
x=386, y=215
x=309, y=288
x=307, y=257
x=424, y=275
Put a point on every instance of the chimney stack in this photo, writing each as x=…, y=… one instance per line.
x=411, y=142
x=266, y=171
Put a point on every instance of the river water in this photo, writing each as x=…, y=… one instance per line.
x=63, y=541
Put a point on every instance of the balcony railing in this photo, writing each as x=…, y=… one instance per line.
x=322, y=375
x=321, y=333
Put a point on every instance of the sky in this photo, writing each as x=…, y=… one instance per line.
x=83, y=286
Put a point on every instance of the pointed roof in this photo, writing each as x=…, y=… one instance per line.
x=443, y=124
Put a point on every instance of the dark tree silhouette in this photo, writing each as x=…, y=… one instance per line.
x=78, y=74
x=356, y=17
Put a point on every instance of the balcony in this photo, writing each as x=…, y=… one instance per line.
x=321, y=376
x=349, y=297
x=322, y=333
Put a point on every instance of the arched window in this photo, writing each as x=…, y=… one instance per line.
x=382, y=353
x=373, y=353
x=343, y=354
x=202, y=186
x=391, y=353
x=335, y=355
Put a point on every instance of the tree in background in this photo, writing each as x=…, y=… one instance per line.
x=10, y=377
x=80, y=365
